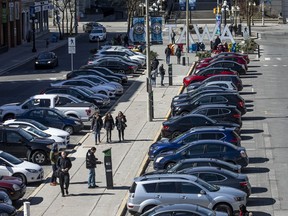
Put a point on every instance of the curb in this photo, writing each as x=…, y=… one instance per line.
x=122, y=208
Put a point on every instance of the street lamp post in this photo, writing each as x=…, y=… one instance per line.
x=250, y=14
x=33, y=19
x=225, y=8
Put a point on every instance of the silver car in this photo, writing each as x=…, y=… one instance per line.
x=152, y=190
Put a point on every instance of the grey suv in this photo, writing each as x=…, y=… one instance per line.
x=152, y=190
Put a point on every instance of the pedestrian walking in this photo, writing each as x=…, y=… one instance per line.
x=64, y=165
x=91, y=162
x=162, y=73
x=173, y=34
x=109, y=126
x=96, y=126
x=126, y=40
x=54, y=155
x=168, y=54
x=121, y=125
x=178, y=54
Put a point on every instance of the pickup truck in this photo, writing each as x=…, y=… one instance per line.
x=69, y=105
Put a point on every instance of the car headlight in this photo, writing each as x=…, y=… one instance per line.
x=36, y=62
x=16, y=187
x=239, y=199
x=158, y=159
x=49, y=62
x=153, y=148
x=32, y=170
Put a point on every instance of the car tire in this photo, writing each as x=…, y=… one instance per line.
x=169, y=165
x=223, y=207
x=121, y=71
x=175, y=134
x=39, y=157
x=8, y=117
x=69, y=129
x=21, y=176
x=147, y=208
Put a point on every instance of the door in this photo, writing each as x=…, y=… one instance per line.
x=15, y=144
x=195, y=151
x=37, y=115
x=166, y=192
x=189, y=193
x=54, y=119
x=113, y=65
x=214, y=178
x=214, y=151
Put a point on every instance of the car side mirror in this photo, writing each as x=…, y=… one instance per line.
x=202, y=192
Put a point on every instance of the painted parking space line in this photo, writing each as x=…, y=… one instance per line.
x=267, y=59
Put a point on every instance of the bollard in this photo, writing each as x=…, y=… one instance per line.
x=170, y=74
x=152, y=104
x=26, y=208
x=258, y=55
x=108, y=168
x=183, y=61
x=187, y=60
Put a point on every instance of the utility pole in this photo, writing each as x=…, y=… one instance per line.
x=148, y=68
x=263, y=12
x=187, y=25
x=76, y=17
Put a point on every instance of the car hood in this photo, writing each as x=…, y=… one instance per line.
x=10, y=180
x=43, y=141
x=57, y=132
x=10, y=105
x=28, y=165
x=231, y=191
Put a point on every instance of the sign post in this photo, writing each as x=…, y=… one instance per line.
x=71, y=49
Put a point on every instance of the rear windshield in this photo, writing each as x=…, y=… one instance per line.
x=132, y=188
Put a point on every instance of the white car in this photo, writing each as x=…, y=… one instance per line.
x=107, y=90
x=97, y=79
x=98, y=34
x=49, y=130
x=12, y=166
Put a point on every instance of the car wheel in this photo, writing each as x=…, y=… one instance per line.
x=222, y=207
x=39, y=157
x=69, y=129
x=21, y=176
x=121, y=71
x=169, y=165
x=175, y=134
x=147, y=208
x=8, y=117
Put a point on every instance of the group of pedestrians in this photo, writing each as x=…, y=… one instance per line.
x=109, y=124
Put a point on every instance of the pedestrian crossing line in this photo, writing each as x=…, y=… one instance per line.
x=279, y=59
x=52, y=78
x=275, y=65
x=265, y=65
x=267, y=59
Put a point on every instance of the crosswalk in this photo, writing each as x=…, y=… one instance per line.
x=273, y=62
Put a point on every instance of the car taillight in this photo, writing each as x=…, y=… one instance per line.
x=234, y=140
x=241, y=103
x=236, y=116
x=243, y=154
x=165, y=127
x=243, y=184
x=130, y=67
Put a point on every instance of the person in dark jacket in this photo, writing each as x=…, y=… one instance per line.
x=96, y=126
x=178, y=54
x=109, y=126
x=243, y=211
x=162, y=74
x=64, y=164
x=91, y=162
x=217, y=42
x=121, y=125
x=167, y=54
x=54, y=155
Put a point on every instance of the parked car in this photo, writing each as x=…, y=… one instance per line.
x=117, y=66
x=177, y=125
x=233, y=78
x=98, y=34
x=12, y=166
x=46, y=59
x=13, y=186
x=244, y=55
x=21, y=144
x=34, y=124
x=104, y=71
x=220, y=112
x=182, y=209
x=210, y=98
x=203, y=148
x=149, y=191
x=87, y=27
x=194, y=134
x=101, y=89
x=221, y=177
x=84, y=72
x=100, y=58
x=54, y=118
x=7, y=209
x=226, y=64
x=4, y=198
x=200, y=75
x=100, y=100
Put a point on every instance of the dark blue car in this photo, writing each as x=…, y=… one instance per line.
x=203, y=148
x=194, y=134
x=54, y=118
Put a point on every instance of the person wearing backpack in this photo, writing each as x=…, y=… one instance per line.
x=162, y=73
x=168, y=54
x=91, y=162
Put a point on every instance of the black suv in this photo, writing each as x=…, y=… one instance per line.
x=229, y=64
x=210, y=98
x=220, y=112
x=223, y=77
x=21, y=144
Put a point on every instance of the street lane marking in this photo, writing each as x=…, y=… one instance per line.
x=284, y=65
x=267, y=59
x=279, y=59
x=265, y=65
x=275, y=65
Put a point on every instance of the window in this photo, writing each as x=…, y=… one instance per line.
x=197, y=149
x=220, y=136
x=204, y=100
x=202, y=112
x=224, y=111
x=63, y=101
x=111, y=63
x=150, y=188
x=208, y=177
x=1, y=136
x=190, y=138
x=166, y=187
x=51, y=114
x=36, y=113
x=189, y=188
x=212, y=112
x=219, y=99
x=207, y=136
x=13, y=137
x=213, y=148
x=186, y=165
x=228, y=64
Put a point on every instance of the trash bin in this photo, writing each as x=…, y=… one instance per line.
x=108, y=168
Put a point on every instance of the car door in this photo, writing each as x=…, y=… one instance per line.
x=218, y=99
x=214, y=151
x=183, y=124
x=15, y=144
x=166, y=192
x=37, y=115
x=5, y=168
x=199, y=121
x=213, y=113
x=113, y=65
x=190, y=193
x=195, y=151
x=53, y=119
x=205, y=99
x=230, y=65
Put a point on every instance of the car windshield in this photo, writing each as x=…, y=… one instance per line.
x=26, y=135
x=39, y=125
x=45, y=56
x=209, y=187
x=103, y=79
x=12, y=159
x=38, y=132
x=86, y=91
x=98, y=31
x=177, y=139
x=181, y=149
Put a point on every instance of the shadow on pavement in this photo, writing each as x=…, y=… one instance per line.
x=246, y=137
x=260, y=201
x=258, y=213
x=247, y=86
x=248, y=76
x=251, y=131
x=256, y=190
x=249, y=105
x=121, y=188
x=250, y=170
x=247, y=93
x=249, y=110
x=249, y=101
x=83, y=182
x=258, y=160
x=253, y=66
x=253, y=118
x=36, y=200
x=91, y=194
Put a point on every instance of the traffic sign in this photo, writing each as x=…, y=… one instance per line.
x=71, y=49
x=71, y=42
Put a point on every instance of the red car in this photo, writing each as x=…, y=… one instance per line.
x=200, y=75
x=245, y=56
x=13, y=186
x=207, y=61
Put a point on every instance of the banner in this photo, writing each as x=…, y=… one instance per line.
x=156, y=30
x=138, y=30
x=182, y=5
x=218, y=24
